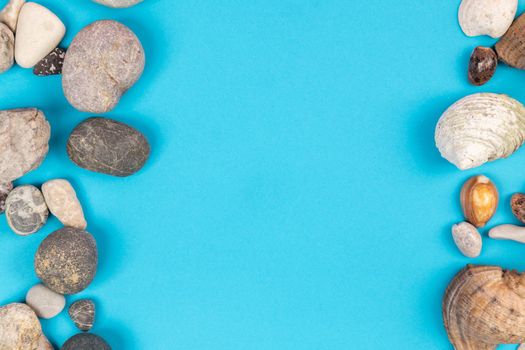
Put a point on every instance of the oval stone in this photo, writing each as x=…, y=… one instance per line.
x=107, y=146
x=66, y=261
x=46, y=303
x=86, y=341
x=26, y=210
x=82, y=312
x=118, y=3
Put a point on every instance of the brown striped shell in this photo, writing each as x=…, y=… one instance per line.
x=511, y=47
x=484, y=306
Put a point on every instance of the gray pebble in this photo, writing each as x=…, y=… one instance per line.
x=66, y=260
x=7, y=48
x=104, y=60
x=118, y=3
x=44, y=302
x=82, y=312
x=26, y=210
x=86, y=341
x=107, y=146
x=5, y=188
x=51, y=64
x=24, y=141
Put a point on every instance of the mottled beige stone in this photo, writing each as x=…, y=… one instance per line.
x=19, y=328
x=63, y=203
x=44, y=344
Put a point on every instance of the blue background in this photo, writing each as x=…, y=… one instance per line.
x=294, y=198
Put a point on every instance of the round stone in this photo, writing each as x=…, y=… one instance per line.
x=86, y=341
x=107, y=146
x=82, y=312
x=26, y=210
x=19, y=327
x=46, y=303
x=7, y=48
x=5, y=188
x=66, y=261
x=118, y=3
x=104, y=60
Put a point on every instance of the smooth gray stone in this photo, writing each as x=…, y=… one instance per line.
x=5, y=188
x=118, y=3
x=104, y=60
x=26, y=210
x=66, y=261
x=82, y=312
x=107, y=146
x=86, y=341
x=7, y=48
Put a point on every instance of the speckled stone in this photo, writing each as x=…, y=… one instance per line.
x=26, y=210
x=107, y=146
x=19, y=328
x=82, y=312
x=44, y=302
x=44, y=344
x=51, y=64
x=24, y=138
x=66, y=260
x=7, y=48
x=104, y=60
x=118, y=3
x=63, y=203
x=4, y=192
x=86, y=341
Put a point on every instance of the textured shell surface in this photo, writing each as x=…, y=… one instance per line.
x=484, y=306
x=486, y=17
x=480, y=128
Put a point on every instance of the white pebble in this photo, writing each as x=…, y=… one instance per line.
x=467, y=239
x=46, y=303
x=62, y=201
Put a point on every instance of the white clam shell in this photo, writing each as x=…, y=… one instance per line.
x=480, y=128
x=467, y=239
x=486, y=17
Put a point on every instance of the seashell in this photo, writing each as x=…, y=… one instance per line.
x=510, y=232
x=480, y=128
x=486, y=17
x=482, y=65
x=517, y=204
x=467, y=239
x=479, y=200
x=510, y=48
x=484, y=306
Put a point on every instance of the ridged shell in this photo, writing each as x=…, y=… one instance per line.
x=480, y=128
x=511, y=47
x=486, y=17
x=485, y=306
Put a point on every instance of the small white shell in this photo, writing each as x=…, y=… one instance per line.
x=486, y=17
x=480, y=128
x=510, y=232
x=467, y=238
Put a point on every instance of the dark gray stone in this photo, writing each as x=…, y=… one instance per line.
x=107, y=146
x=26, y=210
x=104, y=60
x=66, y=261
x=51, y=64
x=5, y=188
x=82, y=312
x=86, y=341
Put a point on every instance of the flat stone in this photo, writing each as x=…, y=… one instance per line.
x=38, y=32
x=26, y=210
x=19, y=328
x=44, y=302
x=7, y=48
x=66, y=261
x=51, y=64
x=86, y=341
x=107, y=146
x=82, y=312
x=24, y=138
x=118, y=3
x=9, y=14
x=5, y=188
x=104, y=60
x=63, y=203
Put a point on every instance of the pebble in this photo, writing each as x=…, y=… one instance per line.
x=20, y=328
x=118, y=3
x=44, y=302
x=44, y=344
x=5, y=188
x=66, y=261
x=26, y=210
x=482, y=65
x=104, y=60
x=7, y=48
x=51, y=64
x=82, y=312
x=38, y=32
x=467, y=239
x=9, y=14
x=517, y=204
x=24, y=138
x=86, y=341
x=63, y=203
x=106, y=146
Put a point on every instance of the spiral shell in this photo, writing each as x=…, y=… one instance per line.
x=511, y=47
x=480, y=128
x=484, y=306
x=486, y=17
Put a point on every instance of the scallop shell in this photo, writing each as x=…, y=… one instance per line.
x=486, y=17
x=511, y=47
x=485, y=306
x=480, y=128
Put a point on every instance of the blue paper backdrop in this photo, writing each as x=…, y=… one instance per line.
x=294, y=198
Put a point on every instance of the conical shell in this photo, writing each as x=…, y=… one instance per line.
x=486, y=17
x=485, y=306
x=480, y=128
x=511, y=47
